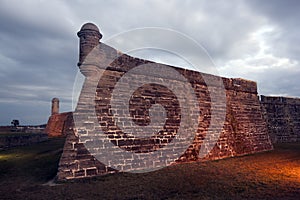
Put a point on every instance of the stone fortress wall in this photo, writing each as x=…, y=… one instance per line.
x=283, y=118
x=244, y=128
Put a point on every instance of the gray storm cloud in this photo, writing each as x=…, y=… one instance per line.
x=257, y=40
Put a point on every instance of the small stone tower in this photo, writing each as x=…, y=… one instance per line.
x=89, y=36
x=55, y=106
x=59, y=124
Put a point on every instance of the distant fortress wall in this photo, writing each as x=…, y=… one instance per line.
x=21, y=139
x=283, y=118
x=58, y=123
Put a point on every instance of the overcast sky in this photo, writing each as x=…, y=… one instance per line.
x=256, y=40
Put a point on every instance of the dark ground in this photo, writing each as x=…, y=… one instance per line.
x=269, y=175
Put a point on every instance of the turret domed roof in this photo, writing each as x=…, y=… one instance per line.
x=89, y=26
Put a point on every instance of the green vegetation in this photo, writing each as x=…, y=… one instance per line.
x=33, y=164
x=267, y=175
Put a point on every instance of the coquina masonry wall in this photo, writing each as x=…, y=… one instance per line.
x=244, y=130
x=283, y=118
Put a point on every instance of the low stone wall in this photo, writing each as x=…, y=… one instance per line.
x=283, y=118
x=21, y=140
x=5, y=129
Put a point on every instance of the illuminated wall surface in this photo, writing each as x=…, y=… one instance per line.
x=197, y=124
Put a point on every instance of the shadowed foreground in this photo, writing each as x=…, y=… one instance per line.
x=269, y=175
